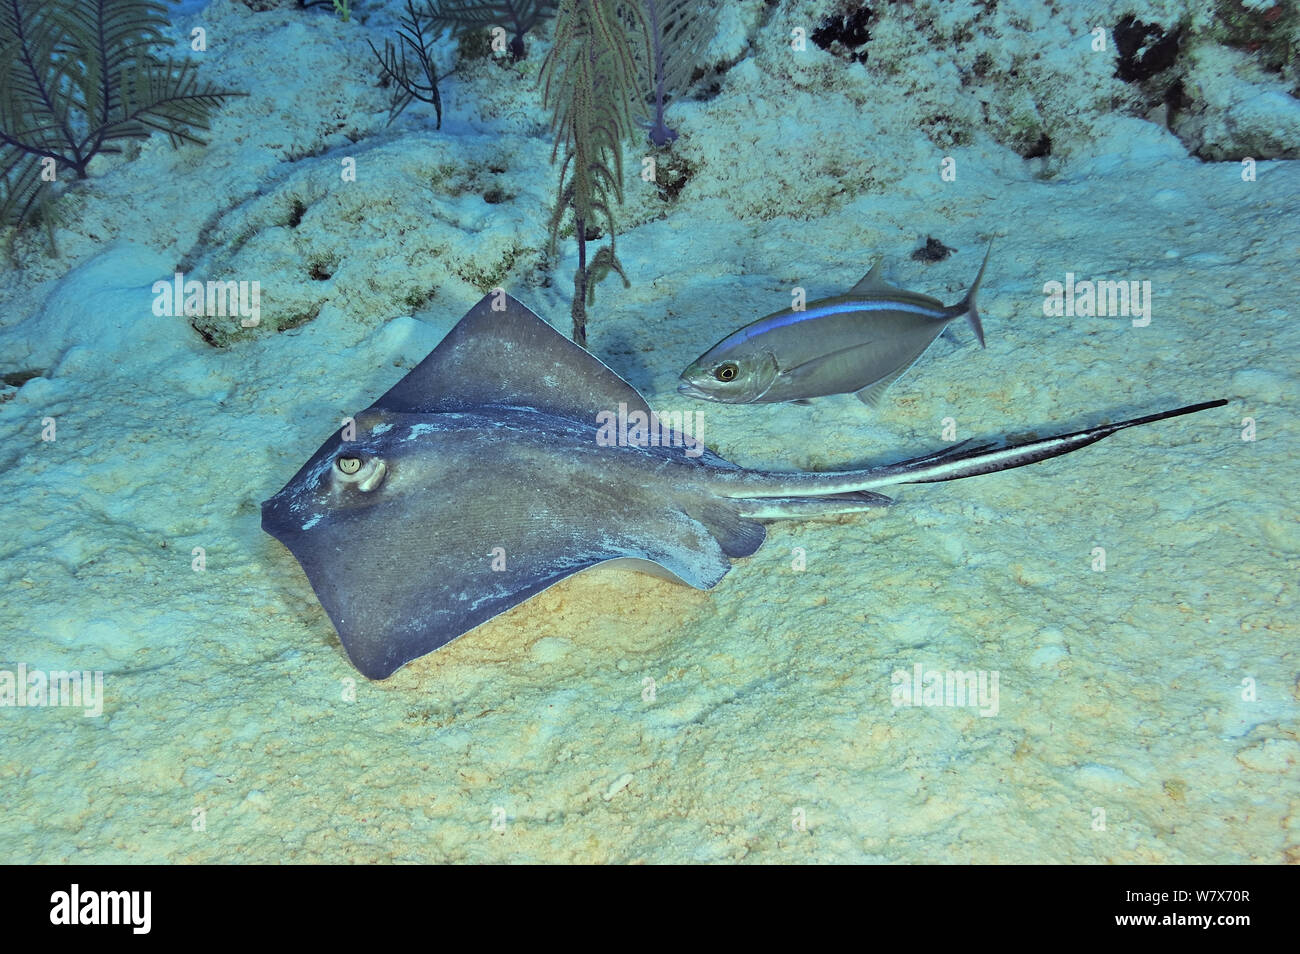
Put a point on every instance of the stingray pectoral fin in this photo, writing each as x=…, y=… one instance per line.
x=398, y=584
x=502, y=353
x=390, y=608
x=648, y=567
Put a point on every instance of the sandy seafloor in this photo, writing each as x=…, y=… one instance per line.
x=1121, y=692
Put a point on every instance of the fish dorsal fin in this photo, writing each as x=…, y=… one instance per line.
x=873, y=281
x=510, y=357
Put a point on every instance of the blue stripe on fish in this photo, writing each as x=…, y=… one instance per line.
x=784, y=319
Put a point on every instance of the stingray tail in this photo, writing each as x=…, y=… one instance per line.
x=802, y=508
x=822, y=492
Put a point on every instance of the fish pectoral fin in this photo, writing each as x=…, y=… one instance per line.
x=872, y=394
x=813, y=364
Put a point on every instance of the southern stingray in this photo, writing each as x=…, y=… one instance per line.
x=484, y=476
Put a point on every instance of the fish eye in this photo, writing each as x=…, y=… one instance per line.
x=348, y=465
x=726, y=372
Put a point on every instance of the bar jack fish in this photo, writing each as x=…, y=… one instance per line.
x=859, y=343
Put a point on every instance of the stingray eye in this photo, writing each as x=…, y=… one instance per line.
x=364, y=474
x=727, y=372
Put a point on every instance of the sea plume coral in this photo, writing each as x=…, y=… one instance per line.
x=76, y=78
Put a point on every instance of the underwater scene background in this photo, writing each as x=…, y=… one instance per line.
x=1125, y=618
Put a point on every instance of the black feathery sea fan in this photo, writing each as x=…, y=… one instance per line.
x=590, y=84
x=679, y=30
x=408, y=65
x=76, y=78
x=514, y=16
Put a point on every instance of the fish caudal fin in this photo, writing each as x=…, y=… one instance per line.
x=967, y=305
